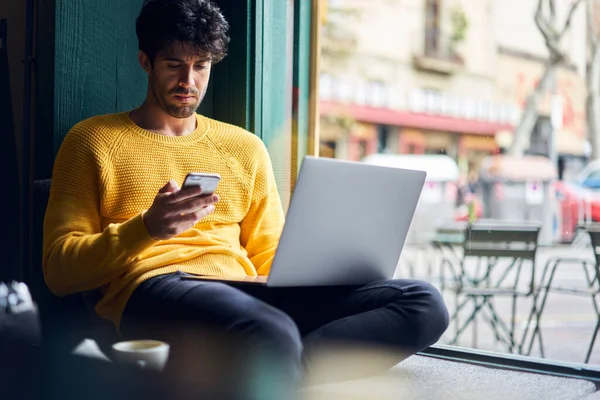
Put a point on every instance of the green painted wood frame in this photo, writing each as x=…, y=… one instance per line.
x=282, y=80
x=87, y=65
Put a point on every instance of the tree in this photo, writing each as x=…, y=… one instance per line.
x=593, y=77
x=460, y=26
x=546, y=22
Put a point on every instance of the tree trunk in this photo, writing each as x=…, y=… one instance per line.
x=593, y=100
x=523, y=131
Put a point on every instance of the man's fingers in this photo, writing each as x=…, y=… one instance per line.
x=170, y=187
x=176, y=224
x=165, y=188
x=191, y=205
x=204, y=212
x=196, y=216
x=185, y=194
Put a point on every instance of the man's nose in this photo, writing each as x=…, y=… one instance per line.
x=187, y=78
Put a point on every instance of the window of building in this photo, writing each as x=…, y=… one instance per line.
x=376, y=95
x=432, y=26
x=382, y=138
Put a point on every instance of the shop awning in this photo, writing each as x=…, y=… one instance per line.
x=409, y=119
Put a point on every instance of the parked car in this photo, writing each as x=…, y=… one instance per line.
x=579, y=200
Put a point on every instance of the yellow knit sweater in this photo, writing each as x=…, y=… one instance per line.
x=107, y=173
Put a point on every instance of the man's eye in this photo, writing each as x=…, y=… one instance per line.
x=173, y=65
x=200, y=66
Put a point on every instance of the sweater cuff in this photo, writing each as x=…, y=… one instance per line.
x=134, y=237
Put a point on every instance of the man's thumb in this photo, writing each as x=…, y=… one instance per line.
x=170, y=187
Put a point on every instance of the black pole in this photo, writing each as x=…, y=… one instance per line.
x=26, y=142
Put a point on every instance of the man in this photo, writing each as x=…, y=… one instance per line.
x=117, y=221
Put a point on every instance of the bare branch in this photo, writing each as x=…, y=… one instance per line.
x=539, y=21
x=589, y=19
x=574, y=6
x=593, y=37
x=548, y=32
x=552, y=4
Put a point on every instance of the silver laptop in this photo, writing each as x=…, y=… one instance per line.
x=346, y=225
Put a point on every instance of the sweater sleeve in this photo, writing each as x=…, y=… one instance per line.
x=261, y=228
x=78, y=256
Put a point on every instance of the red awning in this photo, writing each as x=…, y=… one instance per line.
x=414, y=120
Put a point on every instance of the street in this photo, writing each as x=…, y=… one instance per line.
x=567, y=321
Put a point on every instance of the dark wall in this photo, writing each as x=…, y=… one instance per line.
x=12, y=29
x=14, y=14
x=87, y=65
x=96, y=69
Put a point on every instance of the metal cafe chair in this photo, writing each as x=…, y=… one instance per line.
x=591, y=272
x=500, y=251
x=446, y=244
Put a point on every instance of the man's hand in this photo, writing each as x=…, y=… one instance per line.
x=176, y=210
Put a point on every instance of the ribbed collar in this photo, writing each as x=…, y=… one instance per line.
x=192, y=137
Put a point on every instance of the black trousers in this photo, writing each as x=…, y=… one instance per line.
x=228, y=320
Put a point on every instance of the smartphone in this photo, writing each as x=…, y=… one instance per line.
x=208, y=182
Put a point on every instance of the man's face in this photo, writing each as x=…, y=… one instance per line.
x=178, y=79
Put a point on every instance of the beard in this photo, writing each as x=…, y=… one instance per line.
x=164, y=99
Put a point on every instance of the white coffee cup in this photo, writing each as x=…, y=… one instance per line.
x=151, y=354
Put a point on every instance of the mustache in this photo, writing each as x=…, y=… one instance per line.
x=186, y=92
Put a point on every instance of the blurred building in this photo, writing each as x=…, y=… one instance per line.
x=443, y=76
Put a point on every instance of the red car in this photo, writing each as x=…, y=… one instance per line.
x=579, y=200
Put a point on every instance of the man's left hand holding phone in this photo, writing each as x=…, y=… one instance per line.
x=176, y=210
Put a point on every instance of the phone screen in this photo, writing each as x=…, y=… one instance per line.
x=208, y=182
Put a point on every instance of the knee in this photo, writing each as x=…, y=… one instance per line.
x=431, y=317
x=276, y=331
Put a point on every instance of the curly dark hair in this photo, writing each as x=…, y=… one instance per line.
x=196, y=22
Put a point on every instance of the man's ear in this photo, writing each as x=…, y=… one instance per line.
x=144, y=61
